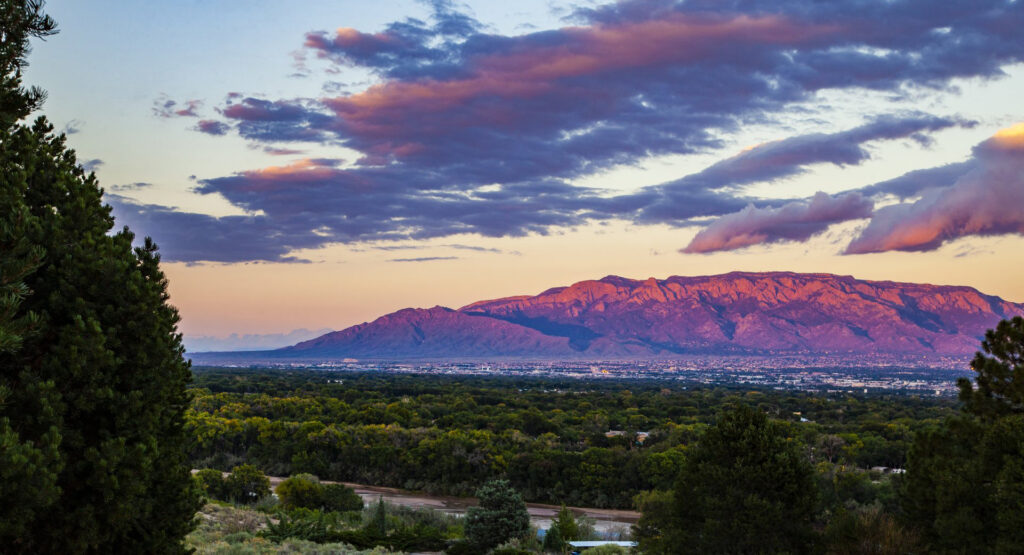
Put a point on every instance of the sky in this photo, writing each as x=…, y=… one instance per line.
x=313, y=165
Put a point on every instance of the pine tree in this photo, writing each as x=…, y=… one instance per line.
x=29, y=458
x=501, y=516
x=92, y=376
x=964, y=487
x=744, y=489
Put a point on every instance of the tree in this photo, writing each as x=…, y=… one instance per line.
x=93, y=380
x=744, y=488
x=29, y=457
x=246, y=484
x=378, y=522
x=566, y=523
x=1000, y=373
x=964, y=486
x=564, y=528
x=20, y=20
x=500, y=516
x=656, y=521
x=553, y=540
x=211, y=482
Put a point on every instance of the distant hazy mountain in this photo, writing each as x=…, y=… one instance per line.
x=736, y=313
x=249, y=341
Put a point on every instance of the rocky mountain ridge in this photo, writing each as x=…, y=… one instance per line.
x=732, y=314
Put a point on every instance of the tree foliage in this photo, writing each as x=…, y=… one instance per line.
x=500, y=516
x=92, y=379
x=305, y=490
x=744, y=488
x=246, y=484
x=999, y=384
x=964, y=488
x=20, y=20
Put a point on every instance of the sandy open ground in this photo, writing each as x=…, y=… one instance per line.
x=605, y=520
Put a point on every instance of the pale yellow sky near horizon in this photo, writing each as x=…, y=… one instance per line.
x=350, y=285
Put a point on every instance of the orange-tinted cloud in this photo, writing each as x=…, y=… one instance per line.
x=988, y=200
x=531, y=69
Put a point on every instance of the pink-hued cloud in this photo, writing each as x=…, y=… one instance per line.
x=531, y=69
x=988, y=200
x=164, y=107
x=794, y=221
x=473, y=132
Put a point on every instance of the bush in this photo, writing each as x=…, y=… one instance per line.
x=305, y=490
x=301, y=490
x=212, y=483
x=339, y=497
x=608, y=549
x=246, y=484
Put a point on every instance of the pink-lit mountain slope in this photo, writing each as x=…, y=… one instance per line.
x=736, y=313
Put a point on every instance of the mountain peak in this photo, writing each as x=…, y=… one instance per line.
x=735, y=313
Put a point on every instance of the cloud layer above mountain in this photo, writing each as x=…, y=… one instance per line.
x=468, y=131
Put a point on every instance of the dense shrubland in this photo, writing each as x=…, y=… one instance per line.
x=549, y=438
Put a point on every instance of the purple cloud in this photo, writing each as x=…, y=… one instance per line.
x=423, y=259
x=789, y=157
x=212, y=127
x=470, y=132
x=164, y=107
x=987, y=200
x=90, y=165
x=785, y=158
x=793, y=221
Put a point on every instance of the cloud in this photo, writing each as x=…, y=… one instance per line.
x=467, y=131
x=792, y=156
x=73, y=126
x=164, y=107
x=90, y=165
x=212, y=127
x=793, y=221
x=473, y=248
x=277, y=151
x=278, y=120
x=987, y=200
x=705, y=193
x=914, y=182
x=129, y=187
x=423, y=259
x=191, y=237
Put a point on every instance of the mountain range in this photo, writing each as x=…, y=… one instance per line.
x=739, y=313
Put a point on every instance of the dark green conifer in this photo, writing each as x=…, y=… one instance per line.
x=92, y=379
x=744, y=488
